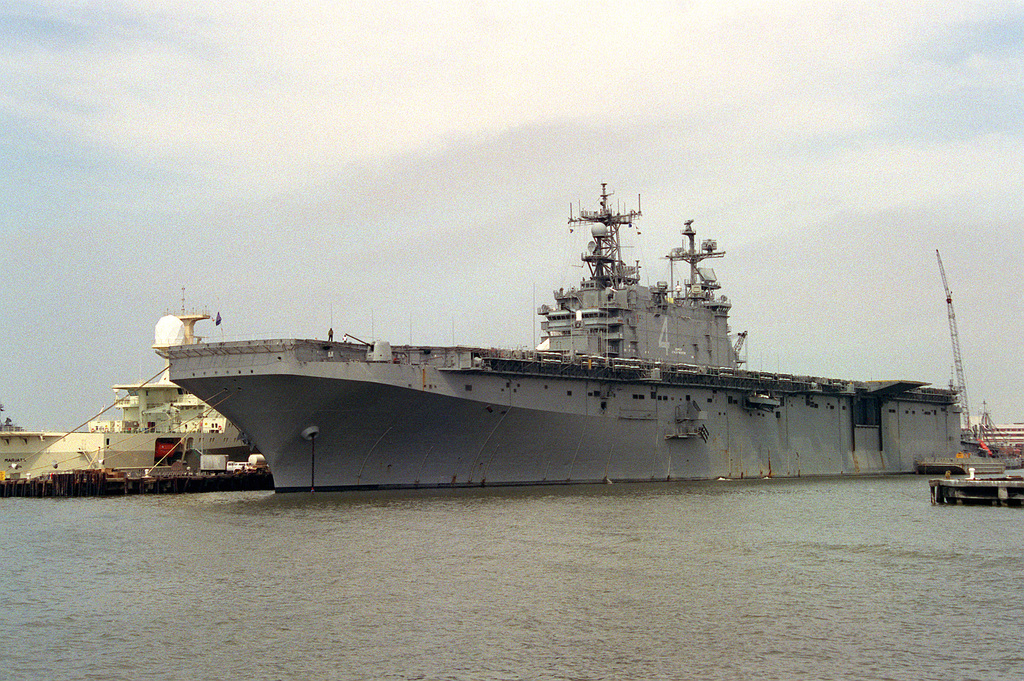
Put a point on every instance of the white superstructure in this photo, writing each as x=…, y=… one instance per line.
x=159, y=423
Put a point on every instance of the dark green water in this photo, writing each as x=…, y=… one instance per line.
x=767, y=579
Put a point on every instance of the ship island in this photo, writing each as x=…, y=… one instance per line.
x=630, y=383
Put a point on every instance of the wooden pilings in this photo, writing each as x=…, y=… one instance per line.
x=98, y=483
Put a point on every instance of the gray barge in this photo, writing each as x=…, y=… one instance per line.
x=629, y=383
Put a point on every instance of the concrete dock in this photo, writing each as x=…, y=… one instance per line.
x=98, y=483
x=1008, y=491
x=960, y=466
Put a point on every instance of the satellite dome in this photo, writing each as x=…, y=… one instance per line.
x=169, y=331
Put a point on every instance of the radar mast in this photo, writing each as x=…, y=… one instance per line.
x=604, y=253
x=702, y=282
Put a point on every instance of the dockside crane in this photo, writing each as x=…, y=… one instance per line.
x=955, y=336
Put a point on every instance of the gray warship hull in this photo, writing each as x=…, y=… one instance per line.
x=331, y=416
x=629, y=383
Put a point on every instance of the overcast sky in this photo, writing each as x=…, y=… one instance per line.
x=405, y=170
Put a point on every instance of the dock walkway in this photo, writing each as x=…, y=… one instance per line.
x=100, y=483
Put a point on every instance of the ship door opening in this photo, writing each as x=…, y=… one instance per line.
x=167, y=450
x=866, y=423
x=866, y=412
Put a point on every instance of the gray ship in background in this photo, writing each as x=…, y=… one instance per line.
x=630, y=383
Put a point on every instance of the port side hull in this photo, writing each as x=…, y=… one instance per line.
x=389, y=426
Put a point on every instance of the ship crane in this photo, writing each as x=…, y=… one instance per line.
x=740, y=337
x=955, y=336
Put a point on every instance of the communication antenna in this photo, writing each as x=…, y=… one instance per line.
x=604, y=253
x=700, y=284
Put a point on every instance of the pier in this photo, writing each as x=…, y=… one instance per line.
x=1008, y=491
x=101, y=483
x=961, y=465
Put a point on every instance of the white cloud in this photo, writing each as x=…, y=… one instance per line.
x=272, y=92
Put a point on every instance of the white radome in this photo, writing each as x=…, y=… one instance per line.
x=169, y=331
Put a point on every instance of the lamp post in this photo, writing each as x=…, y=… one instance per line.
x=310, y=434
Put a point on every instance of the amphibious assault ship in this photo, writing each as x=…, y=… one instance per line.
x=629, y=383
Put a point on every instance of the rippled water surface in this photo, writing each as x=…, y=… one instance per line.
x=767, y=579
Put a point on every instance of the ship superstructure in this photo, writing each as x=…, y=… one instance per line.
x=612, y=315
x=160, y=423
x=630, y=383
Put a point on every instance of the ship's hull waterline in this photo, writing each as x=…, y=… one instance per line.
x=328, y=419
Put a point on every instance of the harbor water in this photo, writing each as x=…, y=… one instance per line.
x=832, y=578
